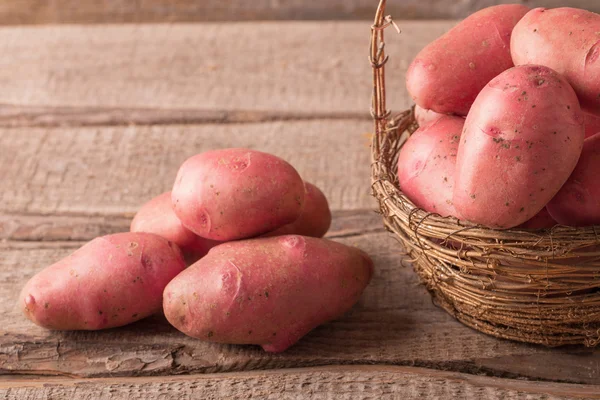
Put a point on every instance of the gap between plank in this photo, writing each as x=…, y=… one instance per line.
x=15, y=116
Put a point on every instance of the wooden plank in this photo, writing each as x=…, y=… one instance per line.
x=90, y=11
x=394, y=323
x=113, y=170
x=334, y=382
x=297, y=67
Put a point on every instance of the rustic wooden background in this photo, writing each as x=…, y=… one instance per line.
x=13, y=12
x=95, y=119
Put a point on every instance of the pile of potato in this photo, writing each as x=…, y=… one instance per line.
x=260, y=273
x=508, y=104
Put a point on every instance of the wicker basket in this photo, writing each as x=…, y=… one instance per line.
x=531, y=286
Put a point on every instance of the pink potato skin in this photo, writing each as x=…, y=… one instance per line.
x=315, y=218
x=566, y=40
x=111, y=281
x=236, y=193
x=427, y=162
x=448, y=73
x=424, y=117
x=157, y=216
x=592, y=124
x=520, y=143
x=268, y=291
x=578, y=201
x=541, y=220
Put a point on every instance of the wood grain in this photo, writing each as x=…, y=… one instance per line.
x=89, y=11
x=394, y=323
x=113, y=170
x=335, y=382
x=294, y=67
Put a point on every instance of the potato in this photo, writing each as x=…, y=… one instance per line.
x=268, y=291
x=315, y=218
x=447, y=74
x=541, y=220
x=566, y=40
x=111, y=281
x=236, y=193
x=157, y=216
x=578, y=201
x=427, y=162
x=424, y=116
x=592, y=124
x=521, y=141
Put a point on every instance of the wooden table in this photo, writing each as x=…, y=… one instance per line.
x=96, y=120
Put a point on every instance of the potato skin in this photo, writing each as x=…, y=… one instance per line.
x=541, y=220
x=520, y=143
x=427, y=162
x=425, y=117
x=315, y=218
x=111, y=281
x=447, y=74
x=566, y=40
x=157, y=216
x=268, y=291
x=592, y=124
x=236, y=193
x=578, y=201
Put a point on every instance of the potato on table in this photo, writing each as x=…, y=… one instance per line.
x=111, y=281
x=447, y=74
x=566, y=40
x=427, y=163
x=157, y=216
x=315, y=218
x=578, y=201
x=268, y=291
x=236, y=193
x=521, y=141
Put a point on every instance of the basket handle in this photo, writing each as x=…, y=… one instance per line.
x=378, y=59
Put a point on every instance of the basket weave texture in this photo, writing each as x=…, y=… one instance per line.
x=538, y=287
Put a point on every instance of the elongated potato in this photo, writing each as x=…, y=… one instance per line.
x=315, y=218
x=236, y=193
x=521, y=141
x=112, y=281
x=269, y=291
x=566, y=40
x=447, y=74
x=427, y=163
x=578, y=201
x=157, y=216
x=592, y=124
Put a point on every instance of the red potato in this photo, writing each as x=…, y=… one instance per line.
x=315, y=218
x=447, y=74
x=111, y=281
x=578, y=201
x=157, y=216
x=427, y=162
x=592, y=124
x=541, y=220
x=566, y=40
x=236, y=193
x=424, y=117
x=268, y=291
x=520, y=143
